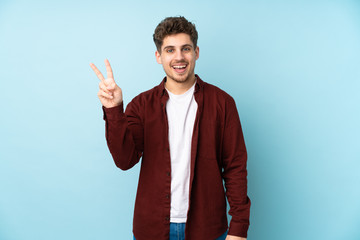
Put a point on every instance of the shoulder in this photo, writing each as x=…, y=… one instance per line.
x=147, y=96
x=217, y=98
x=213, y=91
x=141, y=102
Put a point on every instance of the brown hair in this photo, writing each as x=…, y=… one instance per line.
x=174, y=25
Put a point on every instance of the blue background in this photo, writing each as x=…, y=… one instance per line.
x=292, y=67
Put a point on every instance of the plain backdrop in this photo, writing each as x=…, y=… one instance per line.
x=291, y=66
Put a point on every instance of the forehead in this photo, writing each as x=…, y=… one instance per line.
x=179, y=39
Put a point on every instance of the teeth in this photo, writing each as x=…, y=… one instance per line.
x=179, y=66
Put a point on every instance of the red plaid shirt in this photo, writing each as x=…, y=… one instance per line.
x=217, y=153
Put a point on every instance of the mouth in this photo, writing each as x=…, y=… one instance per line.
x=180, y=68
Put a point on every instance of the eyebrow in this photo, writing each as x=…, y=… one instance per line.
x=185, y=45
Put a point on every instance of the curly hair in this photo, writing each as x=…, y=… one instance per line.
x=174, y=25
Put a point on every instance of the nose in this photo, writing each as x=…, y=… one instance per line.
x=179, y=55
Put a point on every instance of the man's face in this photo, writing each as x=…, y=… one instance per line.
x=178, y=57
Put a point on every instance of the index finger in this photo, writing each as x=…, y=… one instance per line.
x=97, y=72
x=109, y=72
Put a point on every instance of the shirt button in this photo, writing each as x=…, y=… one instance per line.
x=167, y=218
x=162, y=104
x=168, y=174
x=167, y=196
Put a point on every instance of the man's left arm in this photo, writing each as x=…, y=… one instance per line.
x=234, y=157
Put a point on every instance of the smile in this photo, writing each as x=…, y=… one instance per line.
x=180, y=68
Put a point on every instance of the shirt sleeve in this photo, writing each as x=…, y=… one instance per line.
x=234, y=172
x=124, y=134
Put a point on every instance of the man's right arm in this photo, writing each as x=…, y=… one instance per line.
x=124, y=133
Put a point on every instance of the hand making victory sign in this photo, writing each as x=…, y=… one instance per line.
x=110, y=93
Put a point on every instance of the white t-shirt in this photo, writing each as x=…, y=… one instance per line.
x=181, y=112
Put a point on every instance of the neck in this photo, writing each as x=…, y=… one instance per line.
x=178, y=88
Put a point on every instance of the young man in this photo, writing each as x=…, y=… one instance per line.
x=189, y=136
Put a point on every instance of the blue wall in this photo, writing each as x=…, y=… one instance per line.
x=293, y=69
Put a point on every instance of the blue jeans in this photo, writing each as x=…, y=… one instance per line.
x=177, y=232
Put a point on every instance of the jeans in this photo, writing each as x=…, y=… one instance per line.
x=177, y=232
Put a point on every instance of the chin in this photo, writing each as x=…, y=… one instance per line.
x=181, y=79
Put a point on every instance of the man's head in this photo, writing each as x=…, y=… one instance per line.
x=174, y=25
x=177, y=50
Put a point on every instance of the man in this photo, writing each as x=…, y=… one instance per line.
x=189, y=136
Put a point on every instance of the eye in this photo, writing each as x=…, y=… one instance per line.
x=170, y=50
x=186, y=49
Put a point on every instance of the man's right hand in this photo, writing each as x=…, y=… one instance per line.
x=110, y=94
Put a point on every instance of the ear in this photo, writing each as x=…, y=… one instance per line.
x=158, y=57
x=197, y=52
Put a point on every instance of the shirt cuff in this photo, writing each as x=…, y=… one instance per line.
x=113, y=113
x=238, y=229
